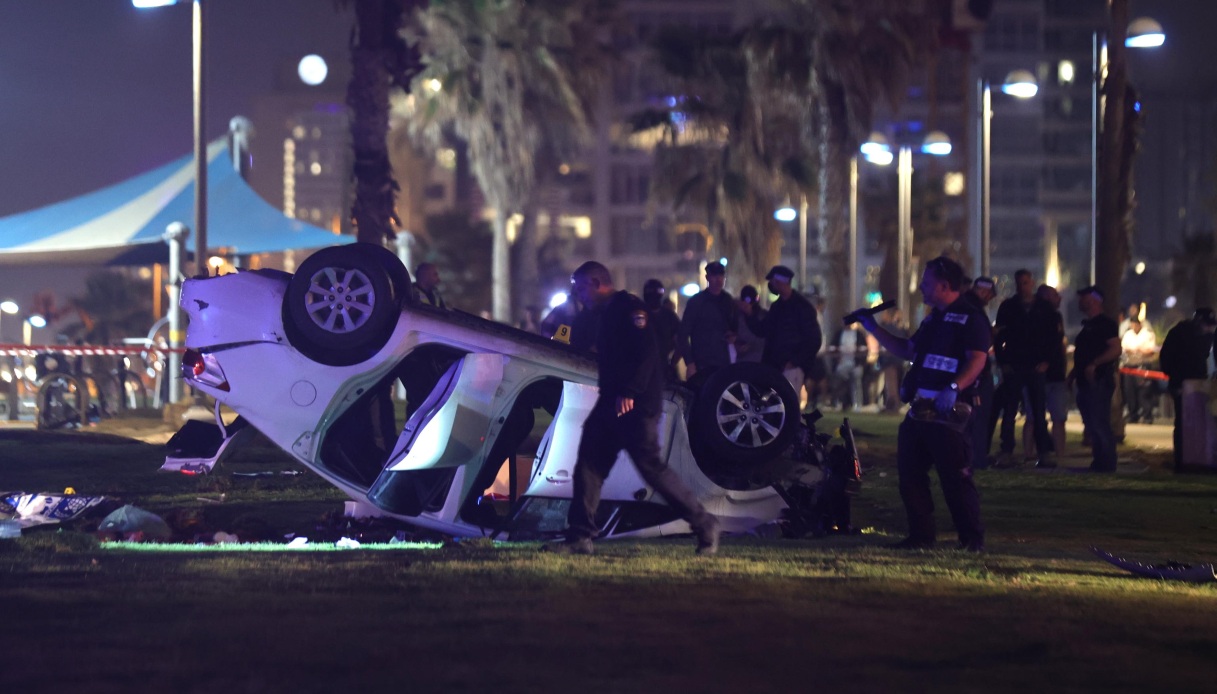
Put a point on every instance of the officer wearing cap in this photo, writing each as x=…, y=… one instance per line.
x=708, y=327
x=665, y=322
x=625, y=416
x=1184, y=355
x=1096, y=350
x=790, y=328
x=948, y=352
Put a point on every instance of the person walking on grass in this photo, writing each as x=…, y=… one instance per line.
x=625, y=416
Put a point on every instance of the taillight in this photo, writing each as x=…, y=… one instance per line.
x=192, y=364
x=203, y=369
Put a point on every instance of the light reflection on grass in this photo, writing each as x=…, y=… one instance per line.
x=263, y=547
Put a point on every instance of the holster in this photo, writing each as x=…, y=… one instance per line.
x=924, y=410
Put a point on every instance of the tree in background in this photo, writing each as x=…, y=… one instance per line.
x=506, y=72
x=114, y=306
x=1194, y=272
x=734, y=140
x=381, y=59
x=863, y=51
x=461, y=248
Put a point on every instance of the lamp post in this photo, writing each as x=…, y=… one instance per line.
x=877, y=151
x=200, y=144
x=1021, y=84
x=10, y=387
x=27, y=327
x=10, y=307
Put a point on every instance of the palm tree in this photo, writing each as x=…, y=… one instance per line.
x=863, y=51
x=380, y=59
x=507, y=85
x=737, y=144
x=1194, y=271
x=113, y=306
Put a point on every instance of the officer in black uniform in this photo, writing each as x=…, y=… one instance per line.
x=625, y=416
x=948, y=352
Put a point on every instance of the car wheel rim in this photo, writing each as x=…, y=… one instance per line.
x=748, y=416
x=340, y=300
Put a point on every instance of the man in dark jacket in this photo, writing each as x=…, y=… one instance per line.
x=1095, y=355
x=1023, y=339
x=625, y=416
x=708, y=328
x=791, y=329
x=666, y=323
x=1184, y=355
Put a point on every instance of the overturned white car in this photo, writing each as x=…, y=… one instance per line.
x=311, y=360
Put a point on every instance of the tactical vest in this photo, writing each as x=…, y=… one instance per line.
x=942, y=350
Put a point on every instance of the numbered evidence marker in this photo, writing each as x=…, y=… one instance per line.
x=562, y=334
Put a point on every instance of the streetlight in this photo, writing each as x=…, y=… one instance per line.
x=1020, y=84
x=876, y=150
x=27, y=327
x=200, y=145
x=787, y=213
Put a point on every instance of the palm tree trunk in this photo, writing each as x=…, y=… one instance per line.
x=368, y=97
x=500, y=268
x=1111, y=234
x=524, y=262
x=834, y=196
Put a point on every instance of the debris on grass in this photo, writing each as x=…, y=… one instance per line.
x=134, y=525
x=33, y=509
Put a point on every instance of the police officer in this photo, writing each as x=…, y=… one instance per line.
x=948, y=352
x=625, y=416
x=426, y=286
x=666, y=324
x=707, y=331
x=791, y=328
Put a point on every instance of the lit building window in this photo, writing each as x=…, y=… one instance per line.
x=315, y=168
x=298, y=132
x=446, y=158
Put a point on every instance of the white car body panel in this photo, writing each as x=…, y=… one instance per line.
x=294, y=401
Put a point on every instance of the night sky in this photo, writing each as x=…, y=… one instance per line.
x=95, y=91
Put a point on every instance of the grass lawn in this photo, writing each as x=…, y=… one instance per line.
x=1037, y=612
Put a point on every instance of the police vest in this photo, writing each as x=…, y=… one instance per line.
x=942, y=343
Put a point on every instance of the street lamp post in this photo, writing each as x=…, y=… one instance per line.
x=877, y=151
x=10, y=307
x=200, y=144
x=10, y=387
x=1021, y=84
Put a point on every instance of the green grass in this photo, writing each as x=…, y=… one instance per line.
x=1038, y=612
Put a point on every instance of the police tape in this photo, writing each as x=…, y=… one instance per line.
x=85, y=350
x=1143, y=373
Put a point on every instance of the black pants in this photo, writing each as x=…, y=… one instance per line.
x=1177, y=398
x=1026, y=385
x=604, y=436
x=1094, y=404
x=980, y=432
x=922, y=446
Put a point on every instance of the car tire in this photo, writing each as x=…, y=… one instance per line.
x=343, y=302
x=746, y=414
